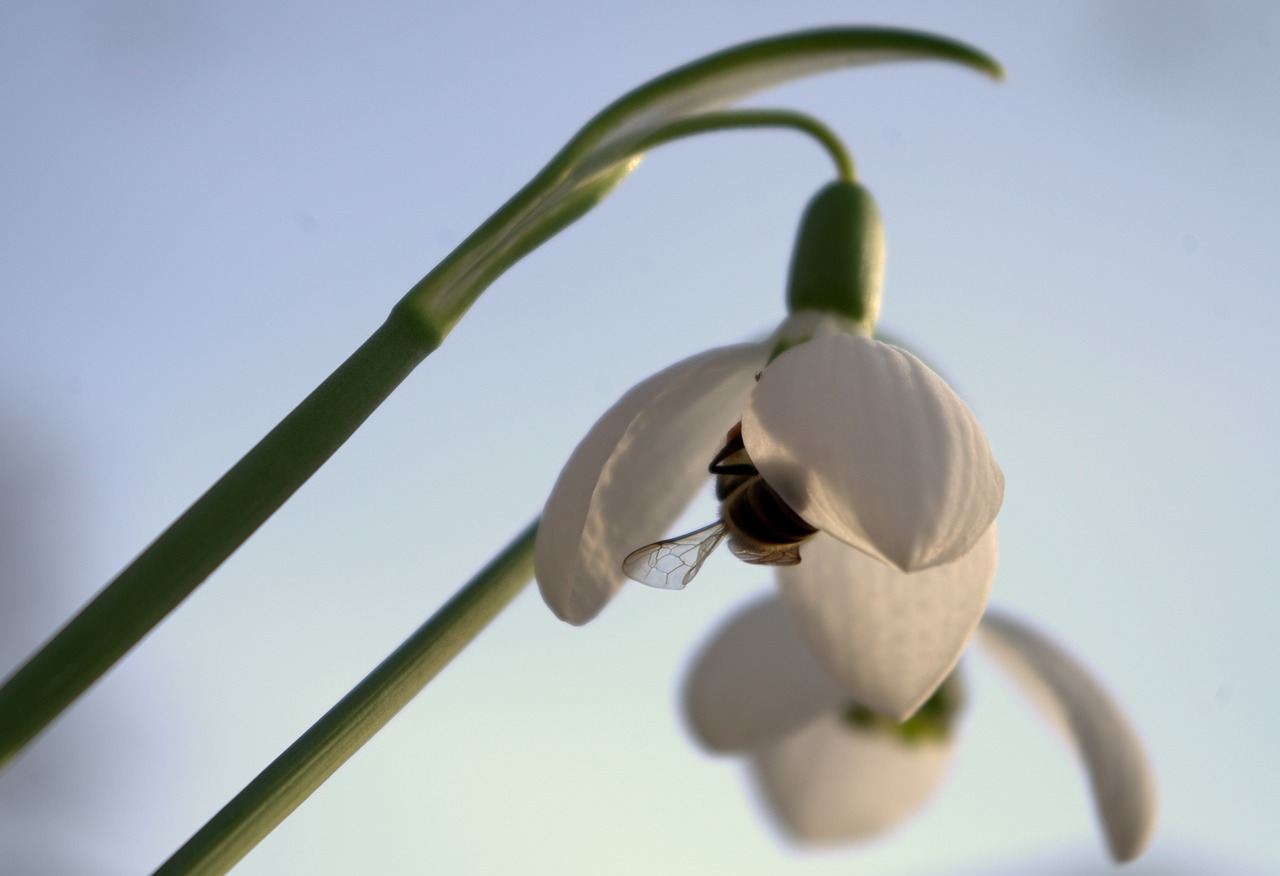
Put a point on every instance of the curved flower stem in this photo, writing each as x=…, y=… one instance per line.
x=761, y=118
x=703, y=87
x=585, y=171
x=304, y=766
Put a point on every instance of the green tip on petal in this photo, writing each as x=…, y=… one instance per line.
x=838, y=262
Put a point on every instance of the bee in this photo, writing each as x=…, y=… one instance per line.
x=761, y=528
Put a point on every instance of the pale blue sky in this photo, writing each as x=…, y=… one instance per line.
x=205, y=207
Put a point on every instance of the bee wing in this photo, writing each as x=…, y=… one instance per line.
x=671, y=564
x=782, y=556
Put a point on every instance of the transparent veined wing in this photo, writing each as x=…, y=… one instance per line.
x=762, y=555
x=671, y=564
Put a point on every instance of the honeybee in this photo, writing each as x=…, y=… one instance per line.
x=761, y=528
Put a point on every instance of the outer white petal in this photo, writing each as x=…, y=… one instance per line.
x=831, y=782
x=863, y=441
x=1074, y=702
x=633, y=474
x=889, y=638
x=755, y=681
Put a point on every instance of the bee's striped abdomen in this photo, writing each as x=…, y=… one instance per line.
x=758, y=512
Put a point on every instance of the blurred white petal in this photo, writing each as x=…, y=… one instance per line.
x=1075, y=703
x=833, y=782
x=864, y=442
x=755, y=681
x=889, y=638
x=634, y=473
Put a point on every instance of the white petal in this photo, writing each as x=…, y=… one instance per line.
x=863, y=441
x=635, y=471
x=1075, y=703
x=755, y=681
x=889, y=638
x=832, y=782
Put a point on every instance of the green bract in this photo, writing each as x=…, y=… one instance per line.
x=608, y=148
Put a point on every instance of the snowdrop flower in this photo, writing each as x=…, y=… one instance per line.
x=836, y=772
x=858, y=438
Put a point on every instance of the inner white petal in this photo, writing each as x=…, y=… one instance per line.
x=830, y=782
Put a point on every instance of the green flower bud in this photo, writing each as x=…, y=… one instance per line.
x=838, y=262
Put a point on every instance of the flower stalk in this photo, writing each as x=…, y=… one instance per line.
x=304, y=766
x=763, y=118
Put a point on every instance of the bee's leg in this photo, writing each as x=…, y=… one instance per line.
x=732, y=460
x=744, y=468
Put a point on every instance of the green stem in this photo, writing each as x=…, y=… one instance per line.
x=762, y=118
x=305, y=765
x=210, y=530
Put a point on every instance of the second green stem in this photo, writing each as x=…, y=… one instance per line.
x=304, y=766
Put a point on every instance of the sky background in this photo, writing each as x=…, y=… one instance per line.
x=205, y=207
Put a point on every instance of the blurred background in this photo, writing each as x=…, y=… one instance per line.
x=205, y=207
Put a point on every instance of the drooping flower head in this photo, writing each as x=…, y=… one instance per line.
x=859, y=439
